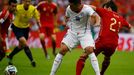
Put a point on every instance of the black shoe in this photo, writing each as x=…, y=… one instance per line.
x=33, y=63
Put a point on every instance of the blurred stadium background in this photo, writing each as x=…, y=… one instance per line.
x=122, y=61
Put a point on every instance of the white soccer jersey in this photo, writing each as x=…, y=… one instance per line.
x=79, y=21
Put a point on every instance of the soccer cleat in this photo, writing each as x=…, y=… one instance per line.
x=33, y=63
x=47, y=57
x=9, y=61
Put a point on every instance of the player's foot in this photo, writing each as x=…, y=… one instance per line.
x=54, y=54
x=33, y=63
x=47, y=56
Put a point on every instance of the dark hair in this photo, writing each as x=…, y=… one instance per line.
x=112, y=5
x=75, y=1
x=12, y=1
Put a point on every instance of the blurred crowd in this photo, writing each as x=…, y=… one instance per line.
x=125, y=8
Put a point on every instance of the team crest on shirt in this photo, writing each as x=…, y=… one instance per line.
x=78, y=18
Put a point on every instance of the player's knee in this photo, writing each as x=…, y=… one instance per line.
x=23, y=41
x=53, y=37
x=89, y=50
x=64, y=49
x=84, y=57
x=42, y=36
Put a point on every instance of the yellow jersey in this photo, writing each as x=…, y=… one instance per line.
x=23, y=17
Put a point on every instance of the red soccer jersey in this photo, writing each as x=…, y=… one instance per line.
x=111, y=22
x=7, y=18
x=47, y=11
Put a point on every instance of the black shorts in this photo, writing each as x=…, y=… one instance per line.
x=20, y=32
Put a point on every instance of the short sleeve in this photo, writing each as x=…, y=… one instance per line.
x=101, y=11
x=125, y=23
x=36, y=14
x=90, y=11
x=67, y=12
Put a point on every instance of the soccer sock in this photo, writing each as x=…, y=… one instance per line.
x=105, y=65
x=54, y=46
x=94, y=63
x=80, y=65
x=15, y=51
x=28, y=53
x=44, y=47
x=56, y=63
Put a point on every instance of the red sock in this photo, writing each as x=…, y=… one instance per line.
x=44, y=47
x=80, y=65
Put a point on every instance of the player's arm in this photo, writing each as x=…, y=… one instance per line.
x=37, y=17
x=3, y=15
x=55, y=16
x=125, y=25
x=95, y=18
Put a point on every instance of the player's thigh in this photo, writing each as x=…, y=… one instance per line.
x=98, y=47
x=109, y=50
x=70, y=40
x=17, y=32
x=49, y=31
x=86, y=41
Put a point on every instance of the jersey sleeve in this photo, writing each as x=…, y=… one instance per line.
x=3, y=15
x=125, y=23
x=101, y=11
x=90, y=11
x=36, y=14
x=67, y=12
x=39, y=6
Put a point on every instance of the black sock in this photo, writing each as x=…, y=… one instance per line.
x=15, y=51
x=54, y=46
x=105, y=65
x=28, y=53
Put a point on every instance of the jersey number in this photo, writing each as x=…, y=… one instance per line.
x=114, y=22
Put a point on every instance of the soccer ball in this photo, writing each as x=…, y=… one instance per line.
x=10, y=70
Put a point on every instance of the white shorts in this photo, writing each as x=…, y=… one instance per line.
x=73, y=39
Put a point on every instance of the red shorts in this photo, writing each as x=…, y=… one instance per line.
x=3, y=36
x=107, y=49
x=48, y=31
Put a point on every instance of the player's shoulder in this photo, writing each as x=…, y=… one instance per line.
x=40, y=3
x=68, y=8
x=54, y=4
x=19, y=6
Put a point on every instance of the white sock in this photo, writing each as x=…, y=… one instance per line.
x=56, y=63
x=94, y=63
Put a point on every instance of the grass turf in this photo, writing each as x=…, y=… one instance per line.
x=122, y=63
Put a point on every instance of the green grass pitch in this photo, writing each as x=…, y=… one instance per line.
x=122, y=63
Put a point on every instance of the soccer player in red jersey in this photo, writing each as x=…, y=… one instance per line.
x=48, y=11
x=107, y=41
x=6, y=17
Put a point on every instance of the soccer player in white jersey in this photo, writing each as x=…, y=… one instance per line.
x=77, y=19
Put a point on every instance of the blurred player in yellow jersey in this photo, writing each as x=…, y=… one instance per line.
x=24, y=13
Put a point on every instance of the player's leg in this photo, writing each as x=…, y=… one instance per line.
x=69, y=41
x=58, y=58
x=81, y=61
x=42, y=37
x=23, y=41
x=108, y=52
x=87, y=44
x=2, y=53
x=53, y=38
